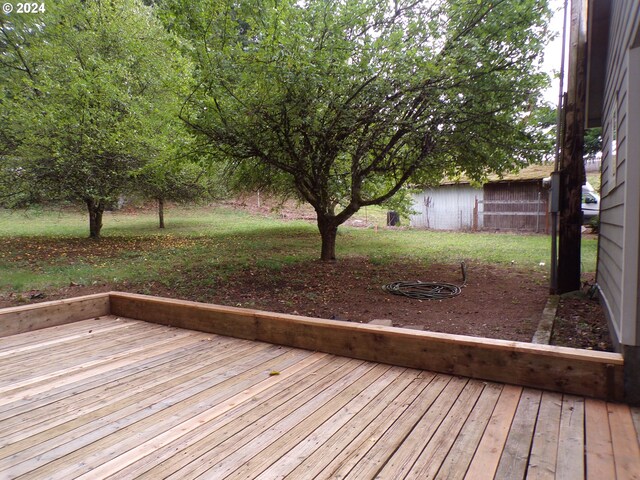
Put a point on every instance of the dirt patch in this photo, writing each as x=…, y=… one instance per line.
x=496, y=302
x=580, y=323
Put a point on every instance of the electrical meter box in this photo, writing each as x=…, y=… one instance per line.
x=554, y=193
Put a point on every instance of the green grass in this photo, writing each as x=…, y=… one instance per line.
x=594, y=179
x=202, y=246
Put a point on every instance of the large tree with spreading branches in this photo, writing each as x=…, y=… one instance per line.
x=348, y=101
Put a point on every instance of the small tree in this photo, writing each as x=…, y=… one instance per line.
x=347, y=101
x=93, y=95
x=177, y=182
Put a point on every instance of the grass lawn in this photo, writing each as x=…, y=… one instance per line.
x=49, y=249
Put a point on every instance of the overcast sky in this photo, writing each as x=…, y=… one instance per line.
x=553, y=52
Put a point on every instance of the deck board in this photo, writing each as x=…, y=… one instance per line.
x=571, y=440
x=544, y=451
x=624, y=441
x=515, y=459
x=459, y=458
x=600, y=463
x=116, y=398
x=487, y=457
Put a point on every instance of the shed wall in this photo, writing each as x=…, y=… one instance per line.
x=514, y=206
x=520, y=206
x=448, y=207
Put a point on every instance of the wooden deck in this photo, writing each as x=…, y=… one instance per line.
x=112, y=397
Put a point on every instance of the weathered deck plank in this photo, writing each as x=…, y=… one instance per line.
x=218, y=425
x=183, y=351
x=626, y=451
x=430, y=459
x=376, y=457
x=544, y=451
x=571, y=441
x=457, y=462
x=599, y=449
x=515, y=459
x=382, y=410
x=340, y=463
x=149, y=454
x=118, y=398
x=146, y=418
x=487, y=457
x=110, y=391
x=64, y=333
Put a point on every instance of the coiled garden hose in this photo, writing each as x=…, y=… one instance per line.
x=428, y=290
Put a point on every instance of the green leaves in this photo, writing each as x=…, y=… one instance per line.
x=96, y=96
x=346, y=101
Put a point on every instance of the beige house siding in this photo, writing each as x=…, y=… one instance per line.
x=618, y=266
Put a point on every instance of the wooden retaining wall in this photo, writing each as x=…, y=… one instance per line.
x=567, y=370
x=27, y=318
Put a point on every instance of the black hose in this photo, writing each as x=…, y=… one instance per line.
x=427, y=290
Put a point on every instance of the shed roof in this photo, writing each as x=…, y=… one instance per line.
x=527, y=174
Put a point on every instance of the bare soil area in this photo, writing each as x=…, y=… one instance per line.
x=580, y=323
x=496, y=302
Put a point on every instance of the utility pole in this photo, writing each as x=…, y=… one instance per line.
x=572, y=175
x=554, y=197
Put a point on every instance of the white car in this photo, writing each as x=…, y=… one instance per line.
x=590, y=203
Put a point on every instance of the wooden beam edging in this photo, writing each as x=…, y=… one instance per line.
x=14, y=320
x=568, y=370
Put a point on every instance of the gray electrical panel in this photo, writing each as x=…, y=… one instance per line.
x=554, y=193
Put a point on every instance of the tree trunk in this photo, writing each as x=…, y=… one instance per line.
x=572, y=164
x=328, y=231
x=161, y=211
x=96, y=209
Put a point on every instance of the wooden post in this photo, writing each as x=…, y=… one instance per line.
x=572, y=164
x=475, y=216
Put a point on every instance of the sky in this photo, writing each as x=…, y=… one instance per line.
x=553, y=52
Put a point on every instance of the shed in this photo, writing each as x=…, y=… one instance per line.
x=450, y=206
x=511, y=202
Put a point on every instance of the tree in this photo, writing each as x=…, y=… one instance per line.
x=93, y=96
x=176, y=181
x=592, y=142
x=350, y=100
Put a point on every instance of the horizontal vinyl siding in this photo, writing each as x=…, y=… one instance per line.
x=611, y=256
x=613, y=234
